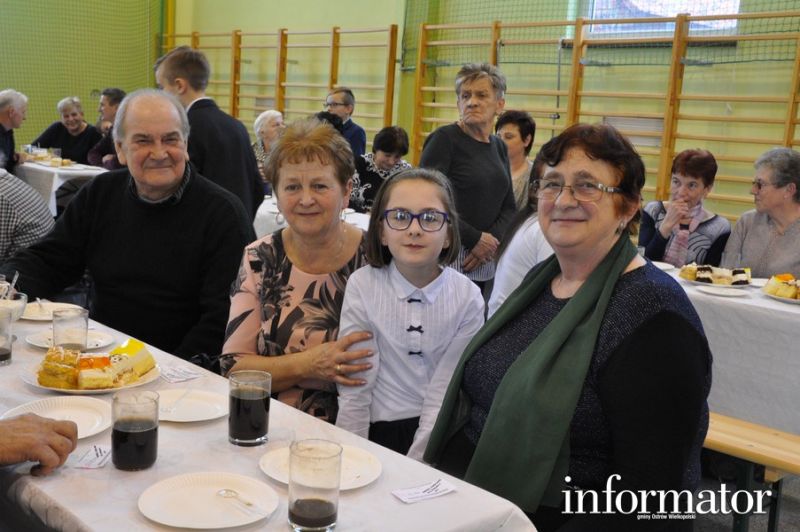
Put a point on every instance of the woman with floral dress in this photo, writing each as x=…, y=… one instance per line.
x=286, y=300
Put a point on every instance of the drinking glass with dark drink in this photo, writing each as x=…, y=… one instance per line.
x=314, y=477
x=248, y=415
x=134, y=436
x=70, y=328
x=5, y=336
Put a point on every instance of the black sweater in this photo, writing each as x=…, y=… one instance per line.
x=74, y=147
x=161, y=272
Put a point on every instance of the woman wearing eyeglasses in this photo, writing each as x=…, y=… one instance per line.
x=767, y=239
x=682, y=231
x=596, y=365
x=287, y=298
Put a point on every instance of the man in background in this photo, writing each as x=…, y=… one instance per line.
x=24, y=216
x=161, y=243
x=13, y=107
x=219, y=147
x=103, y=153
x=342, y=102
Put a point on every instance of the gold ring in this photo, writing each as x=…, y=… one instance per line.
x=339, y=369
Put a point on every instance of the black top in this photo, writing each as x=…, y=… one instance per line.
x=7, y=149
x=219, y=148
x=73, y=147
x=481, y=180
x=162, y=272
x=105, y=146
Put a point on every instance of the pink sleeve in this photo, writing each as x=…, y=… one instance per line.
x=244, y=322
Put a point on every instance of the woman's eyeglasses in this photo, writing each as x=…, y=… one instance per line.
x=758, y=184
x=582, y=191
x=400, y=219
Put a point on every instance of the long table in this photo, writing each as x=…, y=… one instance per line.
x=106, y=499
x=756, y=348
x=267, y=221
x=47, y=180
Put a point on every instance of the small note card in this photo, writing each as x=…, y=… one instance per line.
x=424, y=492
x=94, y=458
x=179, y=373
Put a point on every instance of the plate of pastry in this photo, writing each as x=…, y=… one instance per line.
x=706, y=275
x=784, y=288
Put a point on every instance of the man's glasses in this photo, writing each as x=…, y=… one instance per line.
x=582, y=191
x=333, y=104
x=758, y=184
x=400, y=219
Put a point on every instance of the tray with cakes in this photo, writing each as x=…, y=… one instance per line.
x=73, y=372
x=705, y=275
x=783, y=287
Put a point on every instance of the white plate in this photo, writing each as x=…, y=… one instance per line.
x=191, y=501
x=197, y=405
x=714, y=285
x=783, y=299
x=94, y=339
x=30, y=377
x=759, y=282
x=348, y=210
x=359, y=467
x=663, y=266
x=44, y=312
x=721, y=291
x=92, y=416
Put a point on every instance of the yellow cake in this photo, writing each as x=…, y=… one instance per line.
x=134, y=354
x=95, y=372
x=59, y=368
x=689, y=271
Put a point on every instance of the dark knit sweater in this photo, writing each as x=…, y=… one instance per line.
x=74, y=147
x=642, y=412
x=481, y=180
x=161, y=272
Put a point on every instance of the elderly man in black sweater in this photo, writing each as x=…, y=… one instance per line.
x=161, y=242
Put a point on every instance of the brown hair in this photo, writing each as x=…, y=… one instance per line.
x=377, y=254
x=602, y=142
x=187, y=63
x=697, y=163
x=311, y=140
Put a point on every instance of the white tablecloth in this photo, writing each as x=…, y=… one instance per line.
x=106, y=498
x=266, y=220
x=756, y=348
x=47, y=180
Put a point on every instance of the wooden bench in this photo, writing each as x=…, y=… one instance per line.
x=763, y=455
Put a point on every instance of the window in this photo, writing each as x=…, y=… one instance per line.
x=617, y=9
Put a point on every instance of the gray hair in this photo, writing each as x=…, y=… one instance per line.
x=475, y=71
x=122, y=112
x=785, y=166
x=12, y=98
x=69, y=102
x=263, y=118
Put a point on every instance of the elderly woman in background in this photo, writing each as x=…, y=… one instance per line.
x=681, y=231
x=597, y=366
x=523, y=247
x=372, y=169
x=517, y=129
x=267, y=127
x=72, y=135
x=767, y=239
x=476, y=162
x=287, y=298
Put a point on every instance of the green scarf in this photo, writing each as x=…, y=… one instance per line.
x=523, y=451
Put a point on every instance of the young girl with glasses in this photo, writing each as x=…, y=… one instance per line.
x=421, y=313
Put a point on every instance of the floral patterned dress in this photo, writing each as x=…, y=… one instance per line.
x=277, y=309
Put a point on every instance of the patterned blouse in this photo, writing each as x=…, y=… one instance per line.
x=276, y=309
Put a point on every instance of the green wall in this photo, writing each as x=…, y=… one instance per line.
x=58, y=48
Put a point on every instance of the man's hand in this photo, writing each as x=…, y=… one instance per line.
x=37, y=439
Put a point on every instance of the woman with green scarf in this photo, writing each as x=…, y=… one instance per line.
x=595, y=369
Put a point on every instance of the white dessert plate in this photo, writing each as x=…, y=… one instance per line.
x=348, y=210
x=721, y=291
x=735, y=286
x=783, y=299
x=71, y=166
x=359, y=467
x=191, y=501
x=759, y=282
x=92, y=416
x=31, y=378
x=663, y=266
x=44, y=312
x=196, y=405
x=94, y=339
